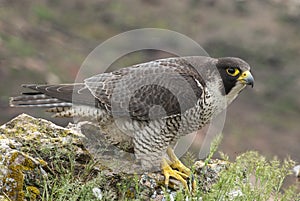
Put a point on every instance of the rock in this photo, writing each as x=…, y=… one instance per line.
x=27, y=145
x=296, y=170
x=31, y=148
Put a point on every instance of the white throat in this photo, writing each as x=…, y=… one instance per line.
x=234, y=92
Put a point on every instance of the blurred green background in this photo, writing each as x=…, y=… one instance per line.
x=47, y=41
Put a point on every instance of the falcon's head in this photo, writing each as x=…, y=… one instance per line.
x=235, y=74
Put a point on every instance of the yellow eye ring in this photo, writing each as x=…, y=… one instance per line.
x=232, y=71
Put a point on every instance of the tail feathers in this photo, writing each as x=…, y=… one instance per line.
x=37, y=100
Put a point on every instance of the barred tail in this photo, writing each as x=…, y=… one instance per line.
x=36, y=99
x=42, y=96
x=58, y=99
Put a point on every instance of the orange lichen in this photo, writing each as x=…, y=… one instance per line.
x=42, y=162
x=33, y=191
x=13, y=181
x=24, y=140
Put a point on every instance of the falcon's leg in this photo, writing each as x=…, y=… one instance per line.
x=174, y=168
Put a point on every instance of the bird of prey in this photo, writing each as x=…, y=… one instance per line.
x=149, y=106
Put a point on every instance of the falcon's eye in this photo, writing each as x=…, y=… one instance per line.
x=232, y=71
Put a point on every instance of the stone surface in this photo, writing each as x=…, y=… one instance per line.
x=30, y=148
x=27, y=147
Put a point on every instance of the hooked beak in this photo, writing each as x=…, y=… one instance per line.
x=246, y=78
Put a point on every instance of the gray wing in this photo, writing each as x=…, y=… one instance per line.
x=147, y=91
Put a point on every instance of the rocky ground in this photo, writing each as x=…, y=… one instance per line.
x=42, y=161
x=34, y=151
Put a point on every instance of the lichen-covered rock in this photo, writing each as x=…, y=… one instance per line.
x=33, y=151
x=208, y=174
x=17, y=167
x=27, y=147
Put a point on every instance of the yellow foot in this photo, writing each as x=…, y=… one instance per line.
x=174, y=168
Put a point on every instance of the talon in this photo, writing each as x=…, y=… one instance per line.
x=176, y=164
x=174, y=168
x=169, y=172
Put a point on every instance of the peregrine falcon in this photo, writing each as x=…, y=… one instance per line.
x=148, y=106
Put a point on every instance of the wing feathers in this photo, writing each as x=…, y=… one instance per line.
x=172, y=84
x=134, y=91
